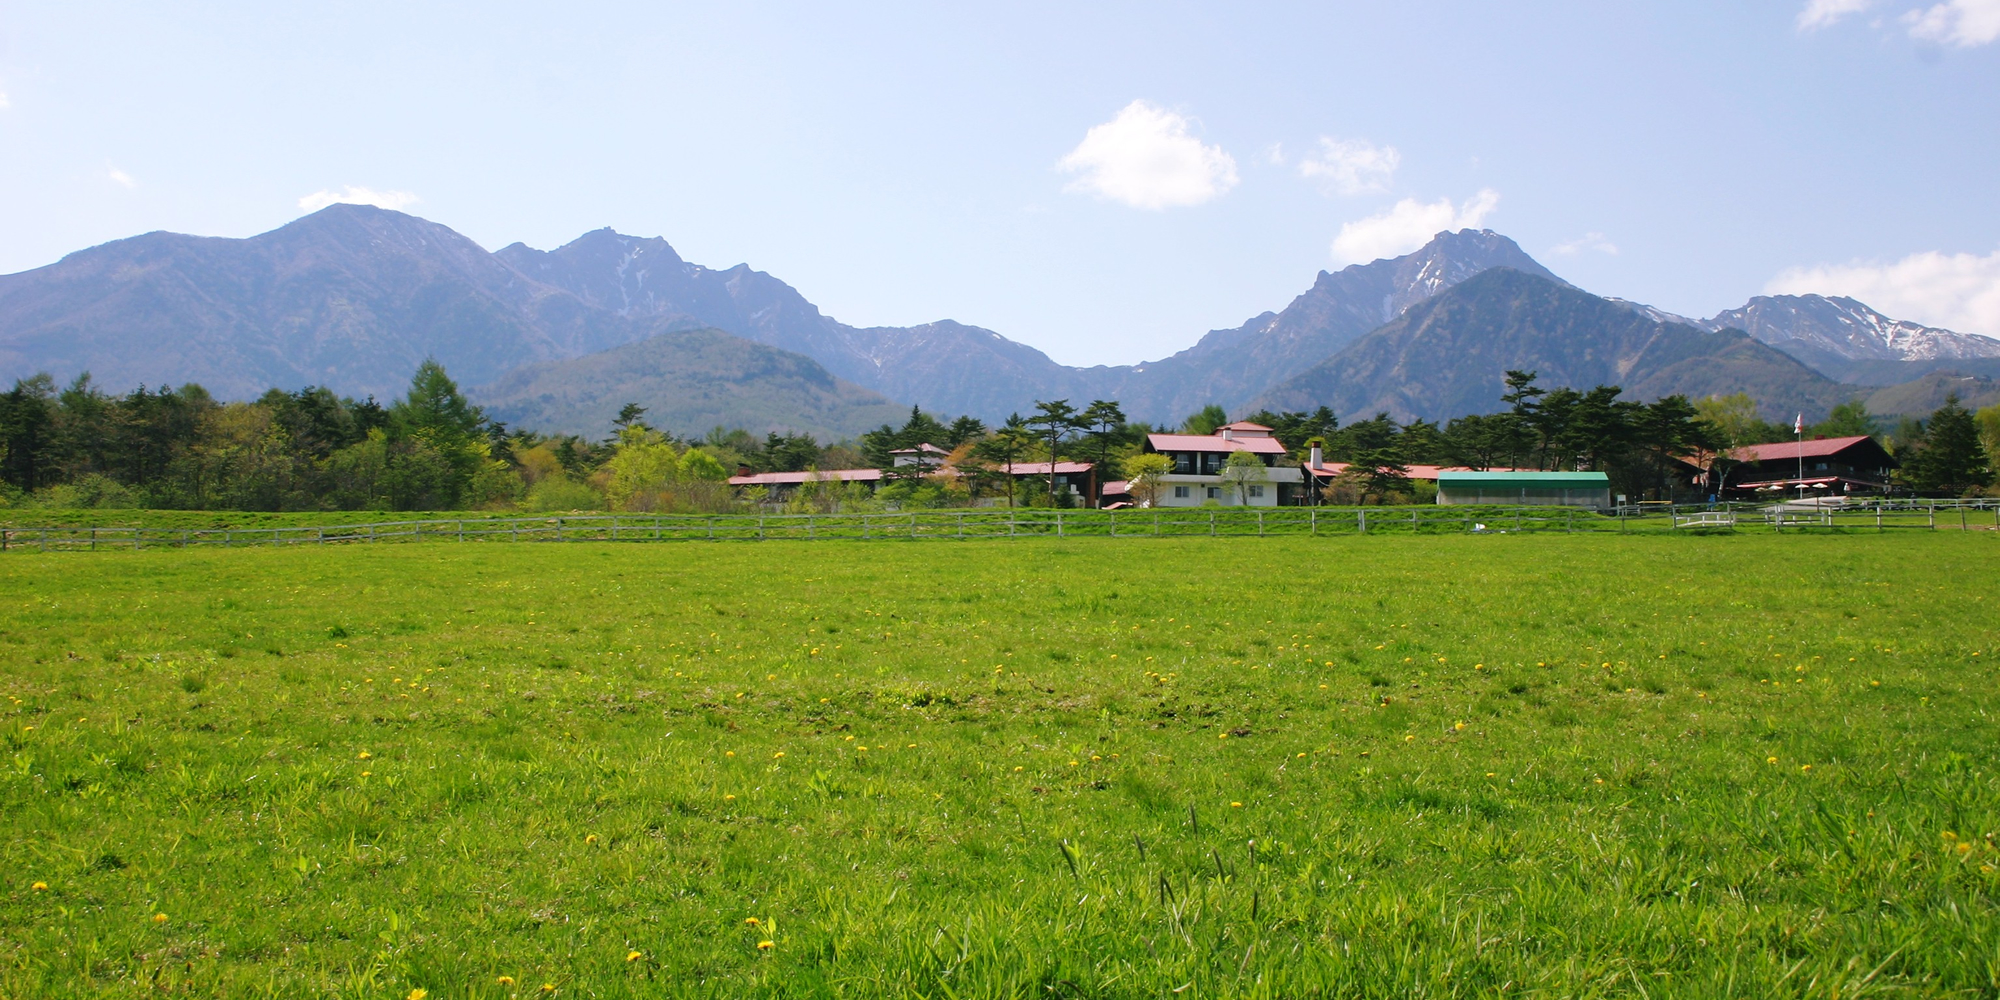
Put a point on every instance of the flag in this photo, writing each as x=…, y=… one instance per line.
x=1799, y=424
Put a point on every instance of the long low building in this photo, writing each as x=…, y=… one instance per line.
x=1565, y=489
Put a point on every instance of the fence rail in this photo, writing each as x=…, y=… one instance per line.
x=1001, y=523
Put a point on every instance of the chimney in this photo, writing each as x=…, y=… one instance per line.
x=1228, y=434
x=742, y=470
x=1316, y=461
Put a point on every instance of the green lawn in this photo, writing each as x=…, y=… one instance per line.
x=1728, y=766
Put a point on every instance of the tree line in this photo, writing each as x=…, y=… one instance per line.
x=431, y=449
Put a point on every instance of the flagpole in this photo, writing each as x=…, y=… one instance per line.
x=1799, y=428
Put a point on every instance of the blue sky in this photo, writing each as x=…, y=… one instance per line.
x=1103, y=181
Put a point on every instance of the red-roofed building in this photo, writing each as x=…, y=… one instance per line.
x=1196, y=476
x=783, y=484
x=1842, y=465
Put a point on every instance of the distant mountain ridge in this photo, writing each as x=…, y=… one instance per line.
x=353, y=297
x=1448, y=356
x=954, y=368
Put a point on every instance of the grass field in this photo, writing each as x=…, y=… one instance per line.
x=1744, y=766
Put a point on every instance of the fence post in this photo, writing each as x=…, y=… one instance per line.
x=1211, y=524
x=760, y=527
x=1933, y=515
x=864, y=527
x=711, y=529
x=558, y=529
x=1111, y=518
x=1361, y=521
x=1569, y=521
x=1312, y=522
x=809, y=527
x=1961, y=517
x=1260, y=524
x=1059, y=531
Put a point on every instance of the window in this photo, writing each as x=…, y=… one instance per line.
x=1180, y=493
x=1256, y=491
x=1214, y=492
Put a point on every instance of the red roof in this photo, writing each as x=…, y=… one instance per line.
x=1243, y=425
x=1333, y=469
x=1214, y=442
x=1042, y=468
x=795, y=478
x=1117, y=486
x=1819, y=448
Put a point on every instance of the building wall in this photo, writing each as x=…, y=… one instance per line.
x=1277, y=483
x=1598, y=496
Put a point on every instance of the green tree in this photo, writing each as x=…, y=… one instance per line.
x=1950, y=459
x=999, y=451
x=1145, y=475
x=1988, y=419
x=1849, y=419
x=1242, y=470
x=437, y=443
x=1205, y=420
x=1054, y=421
x=1104, y=421
x=1524, y=413
x=629, y=415
x=698, y=466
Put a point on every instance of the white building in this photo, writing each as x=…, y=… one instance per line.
x=1196, y=477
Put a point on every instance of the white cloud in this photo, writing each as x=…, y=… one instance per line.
x=1955, y=291
x=1826, y=13
x=1352, y=166
x=351, y=195
x=1145, y=158
x=1274, y=154
x=1964, y=23
x=120, y=178
x=1593, y=242
x=1407, y=226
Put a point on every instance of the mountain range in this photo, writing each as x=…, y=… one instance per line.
x=353, y=297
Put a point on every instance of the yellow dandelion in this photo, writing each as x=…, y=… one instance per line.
x=1322, y=687
x=1770, y=760
x=1017, y=767
x=729, y=798
x=766, y=945
x=41, y=887
x=419, y=993
x=1458, y=725
x=159, y=918
x=1490, y=774
x=860, y=749
x=1479, y=666
x=590, y=839
x=503, y=980
x=1409, y=737
x=1222, y=736
x=1964, y=847
x=751, y=921
x=367, y=773
x=633, y=956
x=729, y=753
x=1236, y=805
x=548, y=987
x=777, y=755
x=1805, y=767
x=1302, y=753
x=363, y=755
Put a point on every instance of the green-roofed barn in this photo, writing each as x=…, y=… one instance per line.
x=1563, y=489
